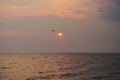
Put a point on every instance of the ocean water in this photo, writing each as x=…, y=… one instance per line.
x=71, y=66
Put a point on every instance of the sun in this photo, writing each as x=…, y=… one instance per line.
x=60, y=34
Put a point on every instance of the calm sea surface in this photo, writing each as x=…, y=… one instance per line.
x=60, y=66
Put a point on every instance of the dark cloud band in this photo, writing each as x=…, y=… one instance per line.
x=112, y=12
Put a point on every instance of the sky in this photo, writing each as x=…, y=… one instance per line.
x=87, y=25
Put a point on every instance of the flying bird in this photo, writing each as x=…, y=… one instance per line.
x=52, y=30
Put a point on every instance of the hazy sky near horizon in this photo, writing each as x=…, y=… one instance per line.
x=87, y=25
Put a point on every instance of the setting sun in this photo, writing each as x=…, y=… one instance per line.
x=60, y=34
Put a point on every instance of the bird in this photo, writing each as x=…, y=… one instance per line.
x=52, y=30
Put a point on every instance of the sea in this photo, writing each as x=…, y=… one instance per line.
x=60, y=66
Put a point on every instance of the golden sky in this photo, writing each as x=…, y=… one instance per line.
x=60, y=8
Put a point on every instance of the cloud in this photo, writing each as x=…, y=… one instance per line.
x=77, y=9
x=61, y=8
x=111, y=11
x=14, y=33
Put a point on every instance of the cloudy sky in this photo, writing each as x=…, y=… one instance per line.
x=87, y=25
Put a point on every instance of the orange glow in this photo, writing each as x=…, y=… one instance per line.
x=61, y=8
x=60, y=34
